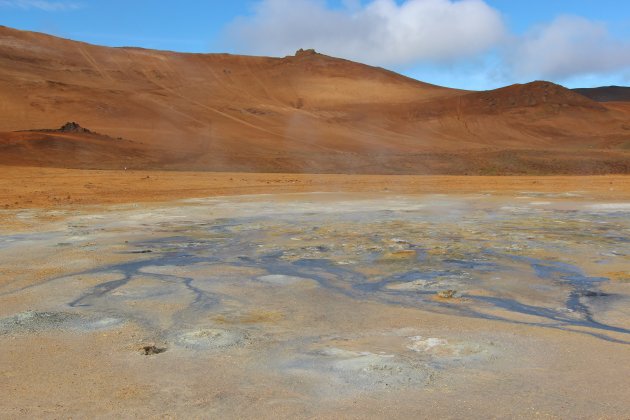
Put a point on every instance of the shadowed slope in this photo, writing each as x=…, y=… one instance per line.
x=606, y=93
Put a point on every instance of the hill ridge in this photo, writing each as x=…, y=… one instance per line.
x=303, y=113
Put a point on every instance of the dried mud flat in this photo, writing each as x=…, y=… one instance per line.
x=319, y=305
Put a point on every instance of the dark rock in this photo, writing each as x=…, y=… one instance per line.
x=73, y=127
x=151, y=350
x=302, y=52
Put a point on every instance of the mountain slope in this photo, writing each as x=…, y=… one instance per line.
x=303, y=113
x=606, y=93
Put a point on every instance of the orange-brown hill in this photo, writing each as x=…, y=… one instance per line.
x=303, y=113
x=84, y=148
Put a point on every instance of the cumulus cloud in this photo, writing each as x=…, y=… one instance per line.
x=443, y=34
x=46, y=5
x=567, y=47
x=380, y=32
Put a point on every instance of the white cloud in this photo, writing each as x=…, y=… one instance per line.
x=46, y=5
x=446, y=34
x=380, y=32
x=566, y=47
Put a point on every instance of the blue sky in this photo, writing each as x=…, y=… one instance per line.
x=475, y=44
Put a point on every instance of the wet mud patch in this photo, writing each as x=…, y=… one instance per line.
x=504, y=263
x=386, y=361
x=532, y=265
x=428, y=285
x=284, y=280
x=442, y=352
x=211, y=339
x=255, y=316
x=332, y=301
x=340, y=371
x=30, y=322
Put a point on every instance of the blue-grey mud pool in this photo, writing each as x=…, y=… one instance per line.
x=319, y=305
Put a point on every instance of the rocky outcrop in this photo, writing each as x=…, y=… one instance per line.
x=73, y=127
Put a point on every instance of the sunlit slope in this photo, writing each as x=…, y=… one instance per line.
x=307, y=112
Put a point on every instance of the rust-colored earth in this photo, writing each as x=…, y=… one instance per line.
x=307, y=113
x=50, y=188
x=294, y=238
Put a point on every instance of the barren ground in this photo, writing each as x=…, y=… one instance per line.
x=22, y=187
x=327, y=296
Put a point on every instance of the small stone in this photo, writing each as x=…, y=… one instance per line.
x=151, y=350
x=447, y=294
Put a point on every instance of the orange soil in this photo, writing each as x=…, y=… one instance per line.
x=62, y=188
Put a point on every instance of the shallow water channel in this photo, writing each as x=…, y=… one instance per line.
x=291, y=272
